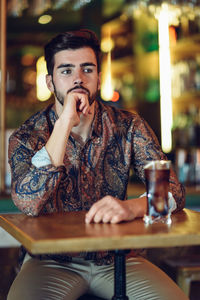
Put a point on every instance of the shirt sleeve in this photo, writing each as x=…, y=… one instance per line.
x=147, y=148
x=34, y=185
x=41, y=158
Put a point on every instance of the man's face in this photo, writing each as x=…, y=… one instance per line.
x=74, y=70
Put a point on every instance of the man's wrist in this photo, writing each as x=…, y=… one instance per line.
x=138, y=206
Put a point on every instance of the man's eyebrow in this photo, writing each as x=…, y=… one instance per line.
x=65, y=66
x=86, y=64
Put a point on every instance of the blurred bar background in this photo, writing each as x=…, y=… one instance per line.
x=150, y=64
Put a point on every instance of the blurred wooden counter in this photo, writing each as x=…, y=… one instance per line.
x=139, y=189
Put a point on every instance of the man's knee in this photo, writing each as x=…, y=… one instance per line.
x=46, y=280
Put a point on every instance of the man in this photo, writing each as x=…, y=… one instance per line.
x=76, y=155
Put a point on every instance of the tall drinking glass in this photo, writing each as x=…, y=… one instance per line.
x=157, y=185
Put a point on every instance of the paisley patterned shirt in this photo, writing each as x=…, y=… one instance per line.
x=100, y=166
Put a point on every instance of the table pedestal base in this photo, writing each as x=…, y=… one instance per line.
x=120, y=275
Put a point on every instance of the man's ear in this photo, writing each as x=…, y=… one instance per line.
x=49, y=83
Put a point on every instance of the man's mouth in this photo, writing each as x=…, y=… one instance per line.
x=79, y=89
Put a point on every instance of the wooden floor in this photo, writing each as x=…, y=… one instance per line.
x=8, y=265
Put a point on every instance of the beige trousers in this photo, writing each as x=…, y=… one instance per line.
x=49, y=280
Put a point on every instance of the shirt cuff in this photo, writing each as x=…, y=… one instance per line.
x=41, y=158
x=171, y=201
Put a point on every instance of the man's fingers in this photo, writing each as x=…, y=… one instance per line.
x=112, y=210
x=77, y=103
x=82, y=101
x=95, y=214
x=107, y=216
x=109, y=210
x=91, y=213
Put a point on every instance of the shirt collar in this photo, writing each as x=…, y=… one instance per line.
x=53, y=114
x=97, y=122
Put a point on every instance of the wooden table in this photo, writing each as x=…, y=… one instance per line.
x=67, y=232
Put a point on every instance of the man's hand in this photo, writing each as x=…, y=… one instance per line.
x=75, y=104
x=112, y=210
x=109, y=210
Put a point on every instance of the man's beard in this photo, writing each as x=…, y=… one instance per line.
x=60, y=97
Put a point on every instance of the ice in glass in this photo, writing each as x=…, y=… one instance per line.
x=157, y=185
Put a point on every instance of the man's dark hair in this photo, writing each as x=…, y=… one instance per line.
x=71, y=40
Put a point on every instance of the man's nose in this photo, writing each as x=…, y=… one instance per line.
x=78, y=81
x=78, y=78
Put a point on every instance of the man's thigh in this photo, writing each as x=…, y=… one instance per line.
x=144, y=281
x=46, y=280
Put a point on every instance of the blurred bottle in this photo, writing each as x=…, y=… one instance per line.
x=186, y=142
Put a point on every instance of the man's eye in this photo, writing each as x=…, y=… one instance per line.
x=87, y=70
x=67, y=71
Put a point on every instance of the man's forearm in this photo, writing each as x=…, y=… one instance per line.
x=57, y=142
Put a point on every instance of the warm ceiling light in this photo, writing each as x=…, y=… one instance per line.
x=115, y=96
x=42, y=91
x=165, y=80
x=107, y=44
x=106, y=85
x=45, y=19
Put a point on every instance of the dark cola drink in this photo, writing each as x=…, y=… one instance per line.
x=157, y=182
x=157, y=187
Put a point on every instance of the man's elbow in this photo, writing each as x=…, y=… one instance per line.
x=180, y=204
x=26, y=205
